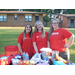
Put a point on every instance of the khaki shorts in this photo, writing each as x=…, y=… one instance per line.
x=65, y=55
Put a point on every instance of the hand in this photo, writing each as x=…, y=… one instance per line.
x=21, y=53
x=67, y=46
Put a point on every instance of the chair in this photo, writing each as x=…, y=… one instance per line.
x=2, y=55
x=11, y=49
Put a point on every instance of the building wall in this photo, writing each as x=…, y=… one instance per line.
x=66, y=22
x=74, y=21
x=11, y=22
x=64, y=25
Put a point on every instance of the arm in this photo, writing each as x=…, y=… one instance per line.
x=20, y=49
x=48, y=44
x=71, y=39
x=35, y=47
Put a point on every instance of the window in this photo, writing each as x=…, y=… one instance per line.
x=15, y=17
x=28, y=18
x=3, y=18
x=36, y=18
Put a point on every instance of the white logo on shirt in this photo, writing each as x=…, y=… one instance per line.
x=27, y=38
x=39, y=36
x=55, y=33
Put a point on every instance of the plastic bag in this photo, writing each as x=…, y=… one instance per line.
x=36, y=58
x=46, y=49
x=37, y=55
x=15, y=61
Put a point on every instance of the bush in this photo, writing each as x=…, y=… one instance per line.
x=46, y=24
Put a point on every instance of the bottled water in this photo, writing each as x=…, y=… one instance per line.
x=24, y=56
x=27, y=56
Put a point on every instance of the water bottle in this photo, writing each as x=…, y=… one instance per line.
x=24, y=56
x=27, y=56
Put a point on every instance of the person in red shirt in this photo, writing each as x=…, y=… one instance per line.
x=25, y=41
x=39, y=38
x=58, y=39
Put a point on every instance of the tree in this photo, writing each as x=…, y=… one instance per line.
x=56, y=12
x=8, y=9
x=46, y=18
x=69, y=11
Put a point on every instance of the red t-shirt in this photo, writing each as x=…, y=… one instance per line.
x=58, y=39
x=26, y=45
x=40, y=42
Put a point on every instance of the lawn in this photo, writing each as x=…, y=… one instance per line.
x=9, y=35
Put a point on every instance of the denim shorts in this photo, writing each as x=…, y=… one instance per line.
x=65, y=55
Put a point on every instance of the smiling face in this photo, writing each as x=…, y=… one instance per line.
x=28, y=29
x=55, y=24
x=39, y=26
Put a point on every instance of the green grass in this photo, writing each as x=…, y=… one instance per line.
x=9, y=36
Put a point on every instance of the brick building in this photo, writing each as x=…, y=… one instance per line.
x=67, y=20
x=19, y=18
